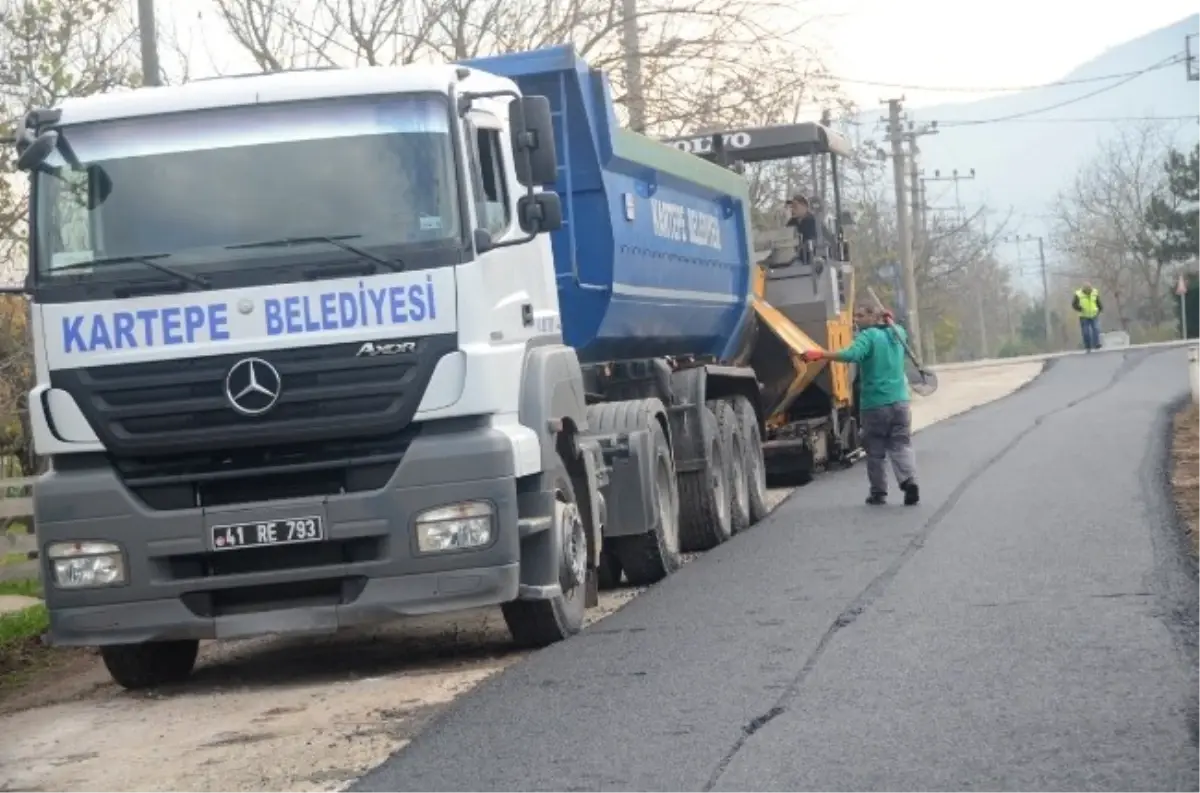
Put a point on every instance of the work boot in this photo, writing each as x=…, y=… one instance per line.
x=912, y=493
x=877, y=499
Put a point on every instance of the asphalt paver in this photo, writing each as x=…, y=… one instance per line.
x=1031, y=625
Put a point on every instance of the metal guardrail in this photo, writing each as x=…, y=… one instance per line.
x=16, y=498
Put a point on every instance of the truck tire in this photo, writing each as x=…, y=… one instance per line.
x=141, y=666
x=704, y=497
x=738, y=465
x=538, y=623
x=650, y=557
x=756, y=466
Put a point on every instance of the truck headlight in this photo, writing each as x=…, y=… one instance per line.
x=79, y=565
x=456, y=527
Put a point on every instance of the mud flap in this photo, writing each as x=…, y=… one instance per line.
x=630, y=505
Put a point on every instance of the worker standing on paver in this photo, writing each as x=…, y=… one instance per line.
x=1087, y=304
x=884, y=408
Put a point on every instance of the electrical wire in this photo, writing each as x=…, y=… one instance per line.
x=1096, y=120
x=1023, y=114
x=1000, y=89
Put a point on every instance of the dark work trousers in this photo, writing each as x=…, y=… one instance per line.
x=887, y=433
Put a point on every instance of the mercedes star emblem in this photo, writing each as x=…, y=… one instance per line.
x=252, y=386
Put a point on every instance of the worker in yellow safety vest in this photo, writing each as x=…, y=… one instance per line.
x=1088, y=306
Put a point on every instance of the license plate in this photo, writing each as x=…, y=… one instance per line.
x=286, y=531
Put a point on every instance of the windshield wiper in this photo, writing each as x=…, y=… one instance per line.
x=150, y=260
x=338, y=242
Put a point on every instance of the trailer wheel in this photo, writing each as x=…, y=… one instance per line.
x=738, y=466
x=756, y=467
x=140, y=666
x=704, y=496
x=648, y=558
x=537, y=623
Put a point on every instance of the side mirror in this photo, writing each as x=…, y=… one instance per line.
x=532, y=129
x=34, y=151
x=99, y=186
x=539, y=212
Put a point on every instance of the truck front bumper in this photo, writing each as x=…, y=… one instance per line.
x=367, y=570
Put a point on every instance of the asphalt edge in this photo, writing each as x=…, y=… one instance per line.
x=1175, y=578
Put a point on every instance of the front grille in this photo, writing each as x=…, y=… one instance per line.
x=176, y=408
x=267, y=473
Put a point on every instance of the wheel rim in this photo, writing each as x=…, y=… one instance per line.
x=719, y=485
x=574, y=545
x=741, y=487
x=663, y=480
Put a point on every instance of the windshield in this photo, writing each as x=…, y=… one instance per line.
x=192, y=184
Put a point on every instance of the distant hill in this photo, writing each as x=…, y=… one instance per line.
x=1024, y=163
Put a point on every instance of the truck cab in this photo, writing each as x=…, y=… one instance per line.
x=299, y=361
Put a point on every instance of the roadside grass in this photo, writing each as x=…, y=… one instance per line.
x=22, y=653
x=27, y=587
x=17, y=526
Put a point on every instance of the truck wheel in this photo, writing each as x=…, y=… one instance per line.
x=739, y=482
x=704, y=496
x=649, y=558
x=756, y=467
x=538, y=623
x=139, y=666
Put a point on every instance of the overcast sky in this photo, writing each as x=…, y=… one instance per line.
x=964, y=43
x=919, y=42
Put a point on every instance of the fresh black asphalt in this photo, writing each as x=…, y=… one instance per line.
x=1030, y=626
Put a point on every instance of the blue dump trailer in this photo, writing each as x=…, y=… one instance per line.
x=654, y=268
x=654, y=257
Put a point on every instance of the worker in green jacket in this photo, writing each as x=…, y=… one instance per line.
x=884, y=410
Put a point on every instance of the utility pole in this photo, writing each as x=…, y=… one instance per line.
x=956, y=178
x=633, y=65
x=1193, y=71
x=920, y=240
x=1045, y=280
x=915, y=185
x=1045, y=288
x=896, y=136
x=151, y=74
x=960, y=218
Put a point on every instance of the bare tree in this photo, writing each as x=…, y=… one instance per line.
x=1101, y=222
x=52, y=49
x=704, y=62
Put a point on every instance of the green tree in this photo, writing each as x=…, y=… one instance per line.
x=1173, y=217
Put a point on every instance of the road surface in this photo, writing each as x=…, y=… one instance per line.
x=1030, y=626
x=299, y=713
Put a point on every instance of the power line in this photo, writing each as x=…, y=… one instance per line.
x=1174, y=59
x=995, y=88
x=1093, y=120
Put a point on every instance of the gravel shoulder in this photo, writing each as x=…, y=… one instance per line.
x=285, y=714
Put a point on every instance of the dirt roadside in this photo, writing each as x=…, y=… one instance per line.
x=1185, y=470
x=300, y=714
